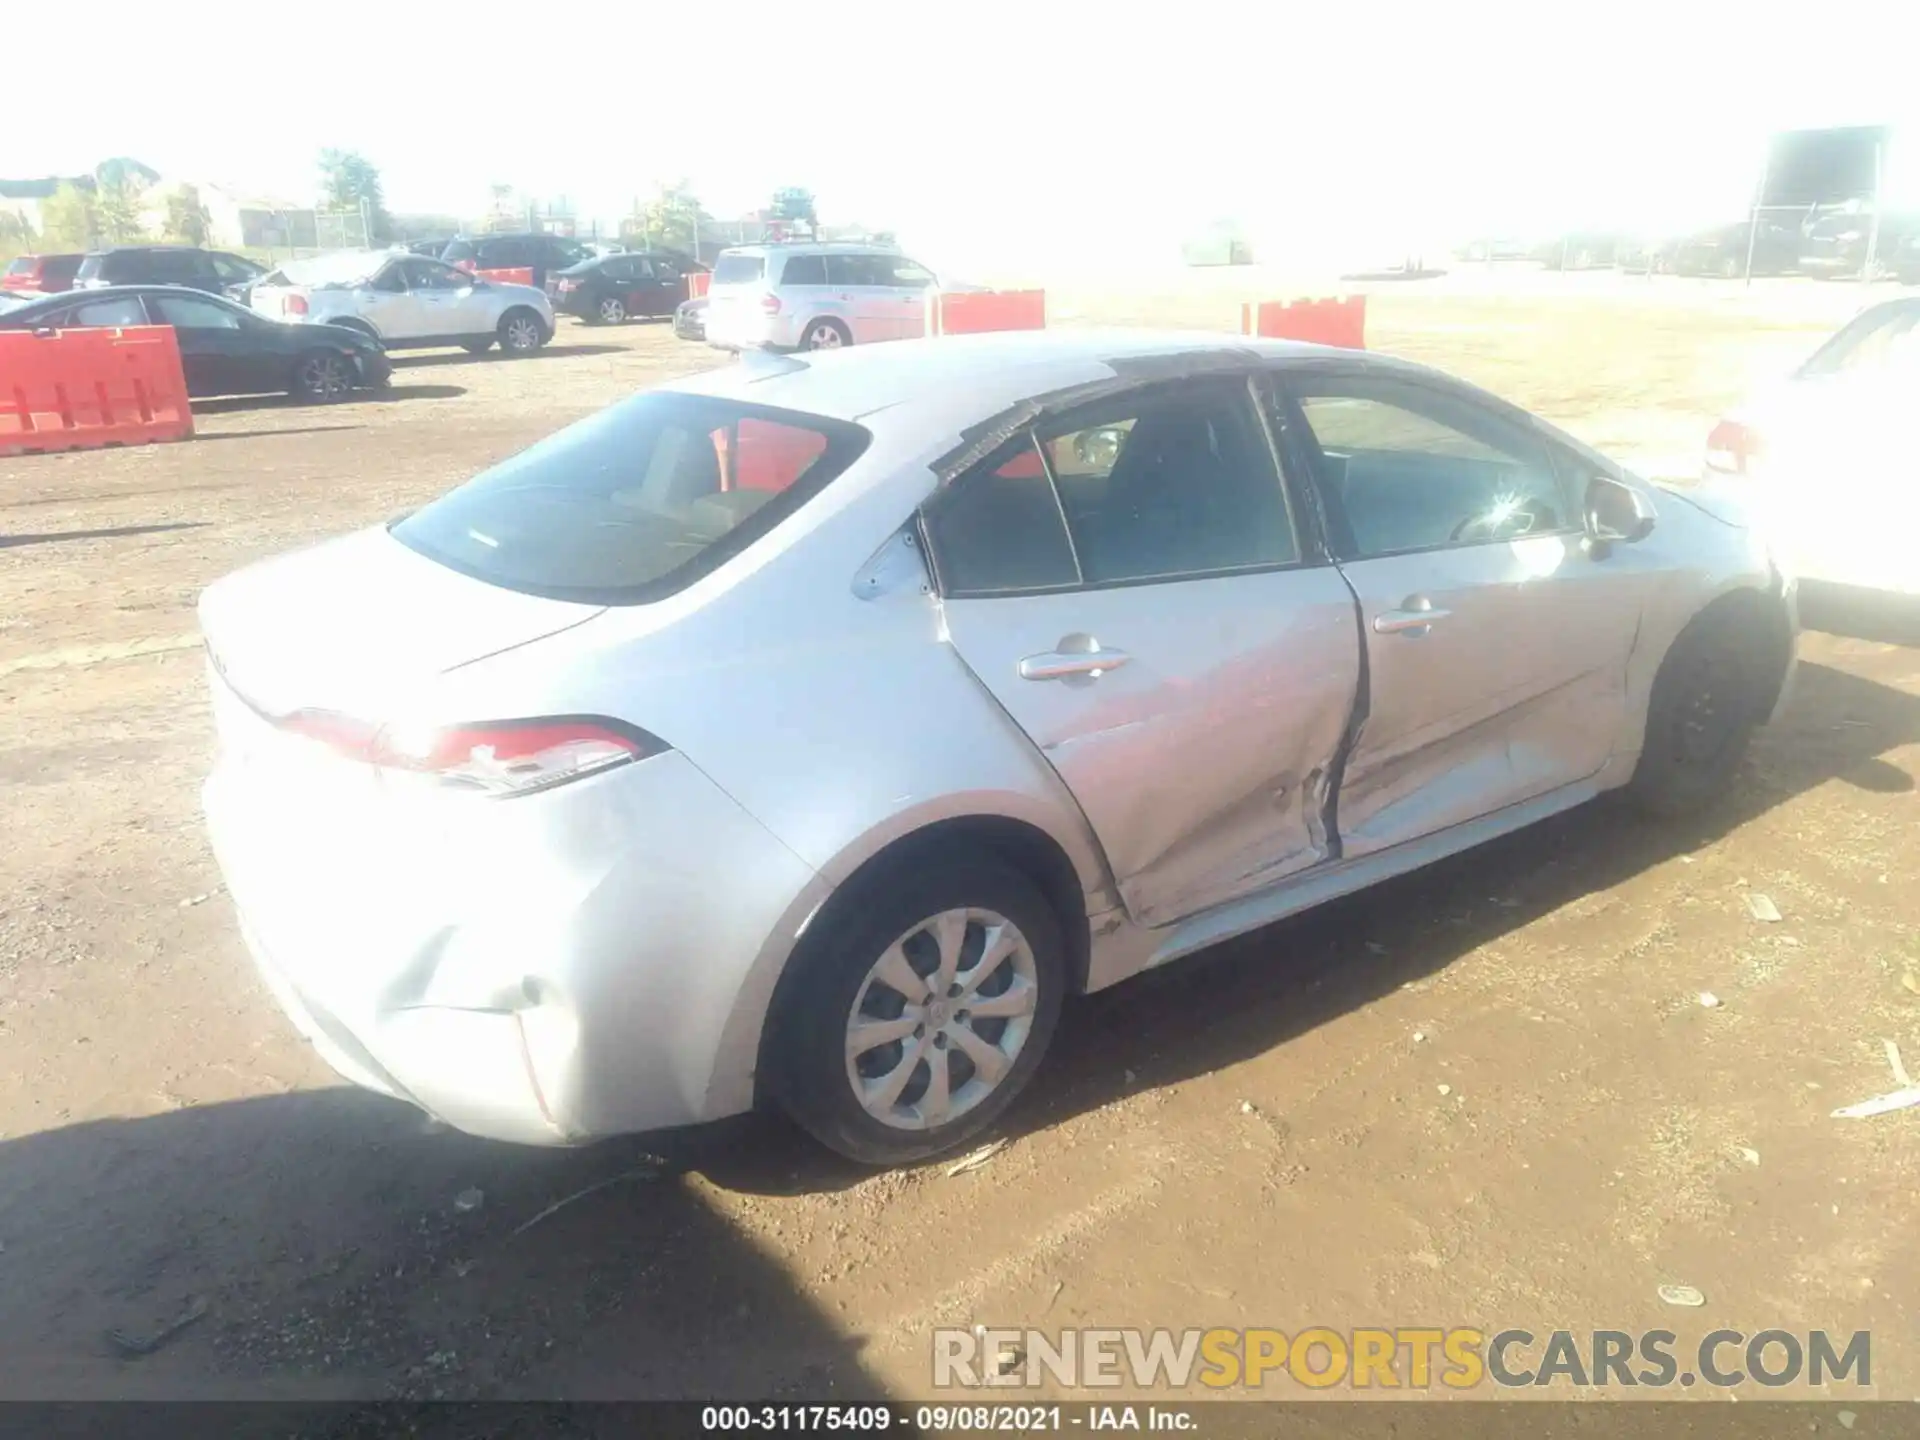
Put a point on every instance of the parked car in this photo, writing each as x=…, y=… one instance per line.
x=225, y=349
x=542, y=254
x=815, y=297
x=407, y=302
x=751, y=739
x=1645, y=256
x=431, y=249
x=214, y=271
x=43, y=274
x=1826, y=451
x=1722, y=250
x=690, y=319
x=607, y=289
x=1836, y=245
x=1585, y=250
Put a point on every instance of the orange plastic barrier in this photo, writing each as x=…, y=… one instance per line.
x=1318, y=322
x=697, y=282
x=975, y=312
x=80, y=389
x=519, y=275
x=765, y=455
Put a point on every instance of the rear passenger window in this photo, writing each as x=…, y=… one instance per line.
x=121, y=310
x=856, y=270
x=1174, y=485
x=804, y=270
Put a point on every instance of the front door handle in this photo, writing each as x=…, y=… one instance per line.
x=1058, y=664
x=1414, y=617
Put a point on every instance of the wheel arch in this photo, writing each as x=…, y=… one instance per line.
x=1021, y=841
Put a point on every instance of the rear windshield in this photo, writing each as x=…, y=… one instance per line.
x=636, y=502
x=738, y=269
x=89, y=268
x=23, y=265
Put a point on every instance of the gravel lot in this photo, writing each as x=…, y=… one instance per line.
x=1486, y=1095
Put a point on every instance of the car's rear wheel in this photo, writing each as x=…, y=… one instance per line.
x=919, y=1016
x=521, y=332
x=322, y=376
x=1708, y=698
x=825, y=335
x=610, y=311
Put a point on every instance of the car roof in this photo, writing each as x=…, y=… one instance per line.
x=108, y=292
x=964, y=377
x=814, y=247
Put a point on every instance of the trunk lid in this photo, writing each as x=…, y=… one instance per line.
x=356, y=623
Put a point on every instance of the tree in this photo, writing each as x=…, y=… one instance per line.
x=350, y=181
x=672, y=219
x=123, y=171
x=16, y=235
x=187, y=219
x=69, y=218
x=116, y=213
x=795, y=205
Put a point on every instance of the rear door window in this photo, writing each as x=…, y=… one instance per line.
x=117, y=311
x=804, y=270
x=857, y=270
x=636, y=502
x=738, y=269
x=22, y=265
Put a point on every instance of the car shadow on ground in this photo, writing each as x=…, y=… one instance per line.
x=328, y=1245
x=112, y=532
x=1261, y=990
x=238, y=404
x=1863, y=614
x=557, y=348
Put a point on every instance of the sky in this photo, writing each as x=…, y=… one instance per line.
x=994, y=134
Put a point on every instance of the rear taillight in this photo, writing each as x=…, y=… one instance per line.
x=497, y=758
x=770, y=304
x=293, y=304
x=1732, y=448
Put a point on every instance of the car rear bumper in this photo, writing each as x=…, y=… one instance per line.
x=545, y=970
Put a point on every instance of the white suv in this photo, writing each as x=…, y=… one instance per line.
x=815, y=297
x=407, y=302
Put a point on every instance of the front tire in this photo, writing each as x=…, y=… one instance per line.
x=1708, y=699
x=911, y=1023
x=826, y=335
x=521, y=333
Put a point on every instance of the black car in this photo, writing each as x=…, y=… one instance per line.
x=542, y=254
x=213, y=271
x=1722, y=250
x=690, y=320
x=610, y=288
x=1836, y=246
x=224, y=348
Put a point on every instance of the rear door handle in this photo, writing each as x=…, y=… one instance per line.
x=1057, y=665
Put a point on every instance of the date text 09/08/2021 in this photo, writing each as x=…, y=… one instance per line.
x=941, y=1419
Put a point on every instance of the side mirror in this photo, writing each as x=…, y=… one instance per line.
x=1617, y=514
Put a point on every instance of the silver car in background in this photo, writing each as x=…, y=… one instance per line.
x=407, y=302
x=1827, y=457
x=808, y=731
x=815, y=297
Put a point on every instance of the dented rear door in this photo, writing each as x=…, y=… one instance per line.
x=1200, y=751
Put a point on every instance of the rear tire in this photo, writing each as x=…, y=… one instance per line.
x=826, y=335
x=840, y=982
x=521, y=332
x=321, y=377
x=610, y=311
x=1708, y=698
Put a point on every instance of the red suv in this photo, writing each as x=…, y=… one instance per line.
x=44, y=273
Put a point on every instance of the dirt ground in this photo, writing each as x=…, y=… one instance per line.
x=1487, y=1095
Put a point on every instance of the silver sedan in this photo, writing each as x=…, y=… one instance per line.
x=810, y=731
